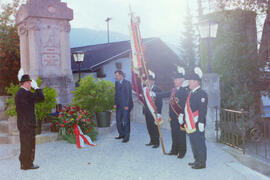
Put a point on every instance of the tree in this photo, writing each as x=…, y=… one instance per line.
x=9, y=46
x=264, y=51
x=235, y=59
x=235, y=49
x=187, y=42
x=259, y=6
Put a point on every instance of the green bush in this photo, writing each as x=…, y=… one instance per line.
x=94, y=95
x=43, y=109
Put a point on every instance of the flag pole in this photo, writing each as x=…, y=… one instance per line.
x=161, y=139
x=144, y=69
x=156, y=118
x=147, y=83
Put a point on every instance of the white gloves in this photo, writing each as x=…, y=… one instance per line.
x=152, y=94
x=201, y=127
x=20, y=74
x=181, y=119
x=159, y=120
x=34, y=84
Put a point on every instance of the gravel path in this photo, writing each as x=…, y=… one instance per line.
x=114, y=160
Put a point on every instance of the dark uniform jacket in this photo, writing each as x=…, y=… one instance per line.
x=198, y=101
x=158, y=101
x=181, y=95
x=123, y=94
x=25, y=108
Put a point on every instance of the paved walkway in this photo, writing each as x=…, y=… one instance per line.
x=112, y=159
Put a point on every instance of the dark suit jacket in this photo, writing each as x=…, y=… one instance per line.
x=25, y=108
x=123, y=94
x=158, y=101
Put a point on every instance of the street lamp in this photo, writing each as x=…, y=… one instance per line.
x=208, y=29
x=108, y=31
x=78, y=58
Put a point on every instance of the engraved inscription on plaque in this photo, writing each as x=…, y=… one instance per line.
x=50, y=57
x=50, y=54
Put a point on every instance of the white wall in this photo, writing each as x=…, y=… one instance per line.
x=110, y=68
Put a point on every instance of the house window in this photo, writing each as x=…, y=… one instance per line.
x=118, y=65
x=100, y=73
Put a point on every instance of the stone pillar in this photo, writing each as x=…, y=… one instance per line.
x=44, y=28
x=210, y=83
x=12, y=126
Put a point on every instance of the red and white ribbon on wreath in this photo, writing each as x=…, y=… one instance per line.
x=81, y=138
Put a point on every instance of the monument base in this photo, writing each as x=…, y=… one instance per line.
x=63, y=85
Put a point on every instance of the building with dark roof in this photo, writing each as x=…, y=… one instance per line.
x=102, y=60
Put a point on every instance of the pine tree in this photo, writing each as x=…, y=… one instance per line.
x=187, y=42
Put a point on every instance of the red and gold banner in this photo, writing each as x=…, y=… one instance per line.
x=139, y=69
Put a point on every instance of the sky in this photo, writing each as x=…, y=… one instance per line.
x=159, y=18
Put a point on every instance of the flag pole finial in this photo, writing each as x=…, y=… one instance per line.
x=130, y=10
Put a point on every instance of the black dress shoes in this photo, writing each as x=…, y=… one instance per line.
x=125, y=140
x=119, y=137
x=149, y=144
x=155, y=146
x=31, y=167
x=198, y=166
x=171, y=153
x=180, y=156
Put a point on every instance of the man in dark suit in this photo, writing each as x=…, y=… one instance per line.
x=195, y=118
x=123, y=105
x=150, y=121
x=178, y=97
x=26, y=120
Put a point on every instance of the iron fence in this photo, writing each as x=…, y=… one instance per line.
x=240, y=130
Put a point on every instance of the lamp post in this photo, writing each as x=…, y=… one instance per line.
x=108, y=35
x=208, y=29
x=78, y=58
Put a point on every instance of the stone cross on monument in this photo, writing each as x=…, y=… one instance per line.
x=43, y=27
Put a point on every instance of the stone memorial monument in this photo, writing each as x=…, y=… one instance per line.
x=43, y=27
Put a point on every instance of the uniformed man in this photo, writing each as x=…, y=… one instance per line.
x=178, y=97
x=26, y=120
x=150, y=121
x=195, y=118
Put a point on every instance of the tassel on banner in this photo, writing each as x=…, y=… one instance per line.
x=81, y=138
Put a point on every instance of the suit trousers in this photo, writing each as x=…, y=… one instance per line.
x=178, y=137
x=27, y=151
x=197, y=141
x=123, y=122
x=152, y=128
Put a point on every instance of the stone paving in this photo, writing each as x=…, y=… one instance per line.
x=112, y=159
